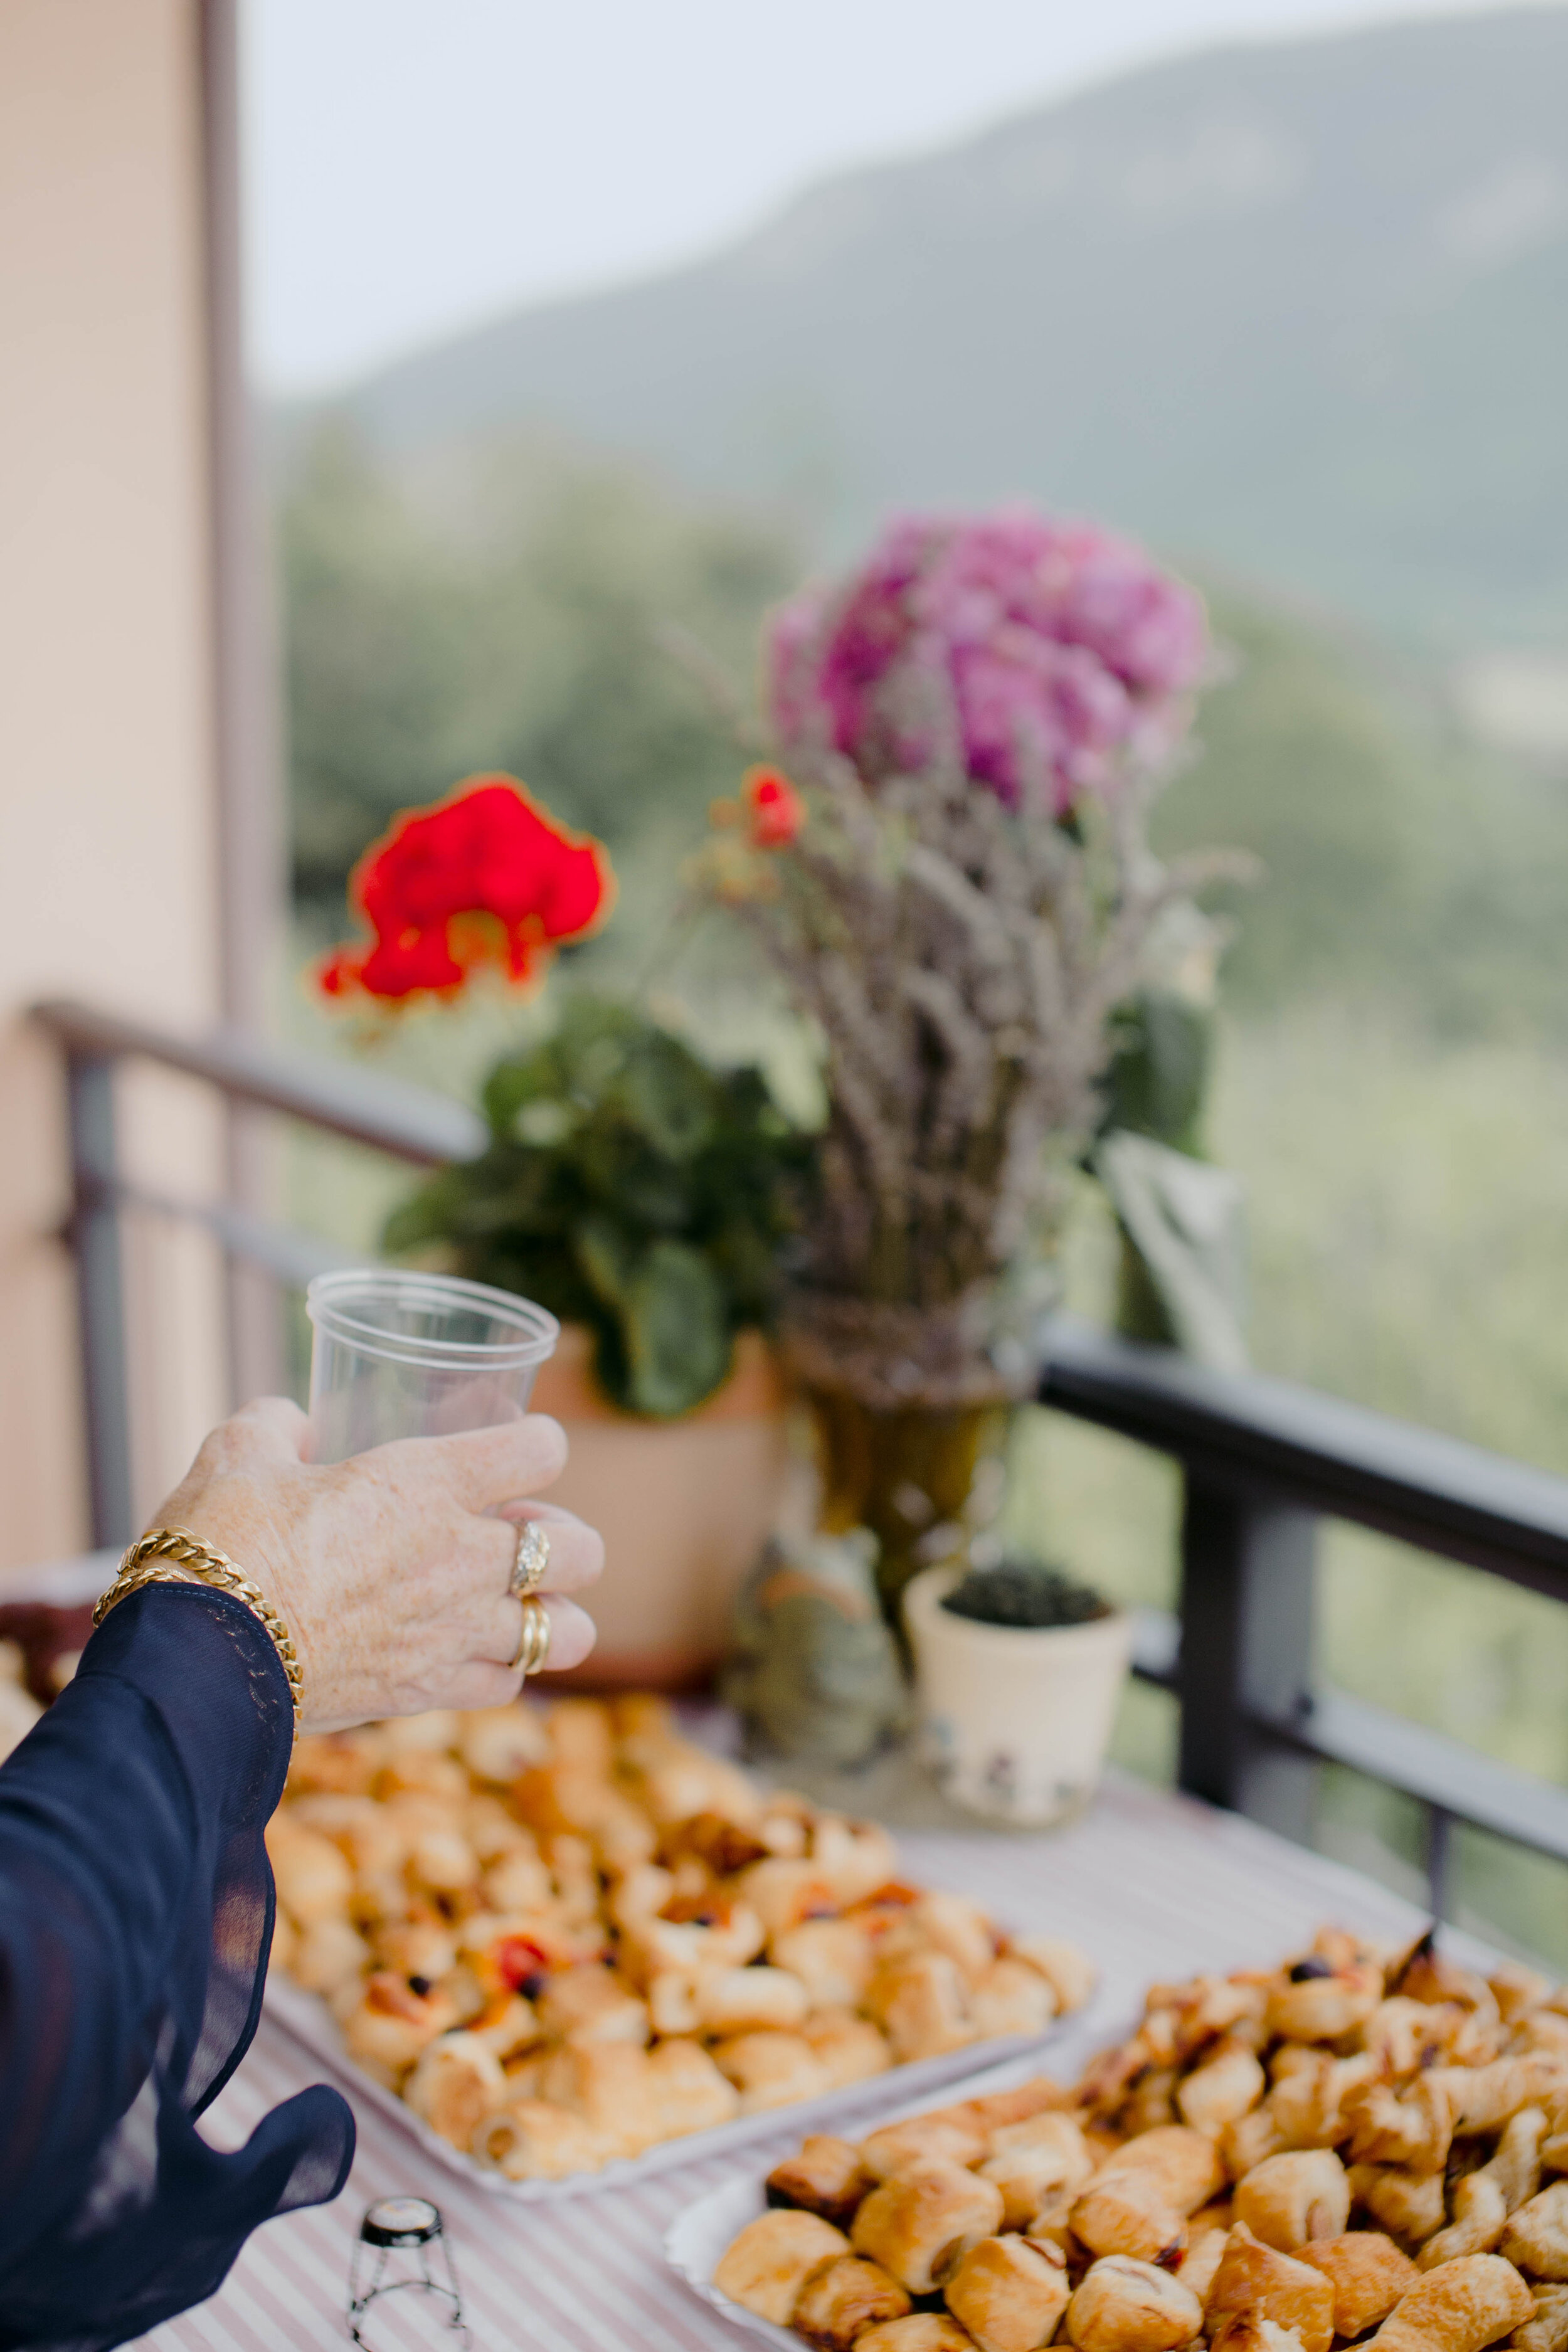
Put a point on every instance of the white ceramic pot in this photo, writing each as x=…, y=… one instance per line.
x=1014, y=1720
x=684, y=1507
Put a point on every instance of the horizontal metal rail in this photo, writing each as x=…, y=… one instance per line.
x=1262, y=1460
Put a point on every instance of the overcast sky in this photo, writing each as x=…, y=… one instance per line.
x=414, y=166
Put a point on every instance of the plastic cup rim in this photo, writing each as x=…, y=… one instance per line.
x=538, y=1328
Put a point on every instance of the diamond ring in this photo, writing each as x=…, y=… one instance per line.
x=531, y=1560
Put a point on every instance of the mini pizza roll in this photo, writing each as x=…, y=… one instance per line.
x=589, y=2003
x=312, y=1878
x=782, y=1891
x=1547, y=2329
x=1486, y=2097
x=852, y=1858
x=1409, y=2205
x=956, y=1925
x=770, y=2070
x=1227, y=2087
x=1263, y=2283
x=337, y=1762
x=622, y=1837
x=507, y=2025
x=1480, y=2218
x=768, y=2264
x=610, y=2085
x=826, y=2176
x=423, y=1773
x=1129, y=2306
x=1048, y=2129
x=583, y=1734
x=497, y=1743
x=394, y=2022
x=897, y=2148
x=832, y=1958
x=1010, y=2294
x=844, y=2298
x=689, y=2092
x=919, y=2223
x=671, y=1997
x=680, y=1783
x=847, y=2047
x=1286, y=2199
x=921, y=2003
x=516, y=1880
x=1368, y=2274
x=456, y=2084
x=639, y=1895
x=740, y=2000
x=1070, y=1974
x=1536, y=2239
x=442, y=1860
x=416, y=1948
x=1316, y=2002
x=922, y=2331
x=533, y=2140
x=327, y=1954
x=1460, y=2308
x=1010, y=1997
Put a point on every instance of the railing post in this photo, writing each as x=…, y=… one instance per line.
x=1248, y=1594
x=100, y=1296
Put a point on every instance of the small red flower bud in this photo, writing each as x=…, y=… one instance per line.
x=776, y=810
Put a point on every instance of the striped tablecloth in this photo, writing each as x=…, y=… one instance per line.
x=1153, y=1886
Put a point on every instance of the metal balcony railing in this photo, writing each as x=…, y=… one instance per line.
x=1262, y=1461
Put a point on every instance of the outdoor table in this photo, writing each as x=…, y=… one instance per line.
x=1154, y=1886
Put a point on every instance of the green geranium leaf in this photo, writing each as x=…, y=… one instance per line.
x=676, y=1330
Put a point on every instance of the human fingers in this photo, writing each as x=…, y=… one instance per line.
x=576, y=1555
x=572, y=1633
x=484, y=1467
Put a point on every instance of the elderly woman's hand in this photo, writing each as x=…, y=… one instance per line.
x=387, y=1568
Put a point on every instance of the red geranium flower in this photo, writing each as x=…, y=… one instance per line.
x=485, y=878
x=777, y=810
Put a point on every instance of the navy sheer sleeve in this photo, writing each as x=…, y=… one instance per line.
x=135, y=1920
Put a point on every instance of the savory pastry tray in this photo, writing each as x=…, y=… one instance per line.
x=696, y=2242
x=307, y=2017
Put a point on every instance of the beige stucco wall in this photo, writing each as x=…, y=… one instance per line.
x=107, y=856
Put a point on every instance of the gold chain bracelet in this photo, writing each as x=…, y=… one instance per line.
x=142, y=1564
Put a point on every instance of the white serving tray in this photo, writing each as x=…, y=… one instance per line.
x=305, y=2016
x=695, y=2242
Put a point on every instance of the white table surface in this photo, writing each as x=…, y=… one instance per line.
x=1153, y=1886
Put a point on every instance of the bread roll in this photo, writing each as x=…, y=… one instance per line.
x=1368, y=2274
x=1460, y=2308
x=1009, y=2293
x=771, y=2261
x=919, y=2223
x=1263, y=2283
x=1129, y=2306
x=1287, y=2199
x=827, y=2176
x=840, y=2302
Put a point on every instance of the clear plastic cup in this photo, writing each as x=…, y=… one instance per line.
x=416, y=1355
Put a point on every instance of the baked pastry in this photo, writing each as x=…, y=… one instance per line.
x=922, y=2331
x=1460, y=2308
x=1123, y=2305
x=771, y=2261
x=1369, y=2275
x=844, y=2298
x=916, y=2224
x=456, y=2084
x=552, y=1879
x=1009, y=2294
x=1296, y=2189
x=827, y=2176
x=1263, y=2283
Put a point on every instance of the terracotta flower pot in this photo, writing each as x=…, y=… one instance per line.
x=684, y=1507
x=1014, y=1720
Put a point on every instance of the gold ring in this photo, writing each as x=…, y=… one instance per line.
x=531, y=1560
x=534, y=1647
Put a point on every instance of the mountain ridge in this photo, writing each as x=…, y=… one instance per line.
x=1295, y=307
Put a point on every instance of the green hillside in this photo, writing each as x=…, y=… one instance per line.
x=1299, y=309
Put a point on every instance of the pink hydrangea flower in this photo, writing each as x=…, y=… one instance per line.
x=1059, y=649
